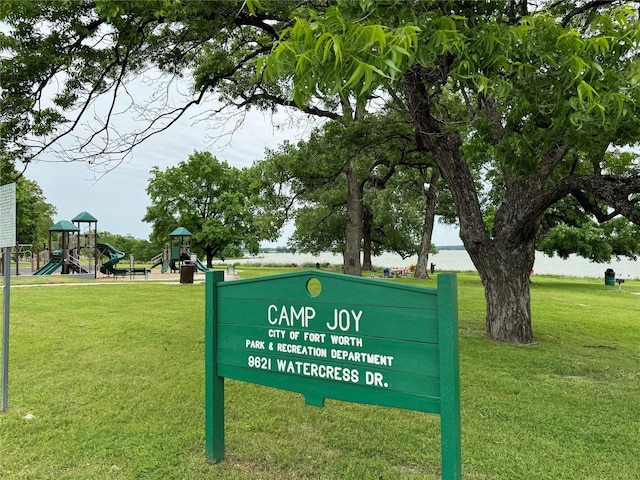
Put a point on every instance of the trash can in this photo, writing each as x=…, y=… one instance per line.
x=609, y=277
x=186, y=272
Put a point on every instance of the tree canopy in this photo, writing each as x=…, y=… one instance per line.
x=222, y=206
x=68, y=69
x=386, y=170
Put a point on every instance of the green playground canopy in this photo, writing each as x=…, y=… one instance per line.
x=84, y=217
x=64, y=226
x=180, y=232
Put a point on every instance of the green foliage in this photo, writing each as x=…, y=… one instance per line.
x=397, y=213
x=345, y=50
x=597, y=242
x=59, y=57
x=387, y=169
x=220, y=205
x=319, y=227
x=548, y=80
x=618, y=162
x=34, y=215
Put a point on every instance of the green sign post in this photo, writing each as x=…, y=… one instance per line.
x=327, y=335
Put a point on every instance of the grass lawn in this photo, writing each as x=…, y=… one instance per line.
x=106, y=382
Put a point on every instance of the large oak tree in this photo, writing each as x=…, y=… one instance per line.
x=549, y=94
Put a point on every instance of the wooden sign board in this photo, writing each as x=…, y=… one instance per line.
x=328, y=335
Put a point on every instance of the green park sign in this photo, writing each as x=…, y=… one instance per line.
x=327, y=335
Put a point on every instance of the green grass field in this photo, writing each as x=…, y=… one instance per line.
x=106, y=382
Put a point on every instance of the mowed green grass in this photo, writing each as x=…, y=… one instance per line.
x=110, y=378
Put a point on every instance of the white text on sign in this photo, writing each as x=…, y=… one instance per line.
x=287, y=315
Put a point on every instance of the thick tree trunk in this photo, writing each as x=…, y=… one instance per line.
x=353, y=229
x=505, y=275
x=504, y=261
x=430, y=195
x=211, y=253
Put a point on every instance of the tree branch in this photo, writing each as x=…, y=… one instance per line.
x=616, y=191
x=285, y=102
x=585, y=8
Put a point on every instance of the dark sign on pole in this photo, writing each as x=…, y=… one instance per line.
x=327, y=335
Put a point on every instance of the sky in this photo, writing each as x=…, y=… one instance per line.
x=118, y=199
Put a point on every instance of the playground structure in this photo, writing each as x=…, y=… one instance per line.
x=178, y=253
x=72, y=247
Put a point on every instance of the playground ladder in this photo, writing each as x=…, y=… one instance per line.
x=75, y=261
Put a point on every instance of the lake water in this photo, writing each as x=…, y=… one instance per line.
x=458, y=260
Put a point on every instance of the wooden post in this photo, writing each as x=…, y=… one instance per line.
x=450, y=428
x=214, y=385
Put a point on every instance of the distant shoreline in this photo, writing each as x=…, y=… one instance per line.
x=456, y=258
x=287, y=250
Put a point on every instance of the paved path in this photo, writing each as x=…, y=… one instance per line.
x=153, y=277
